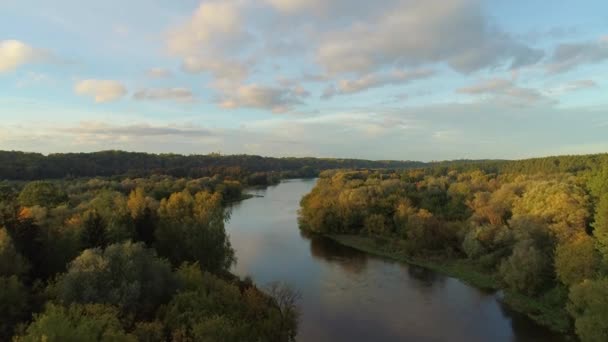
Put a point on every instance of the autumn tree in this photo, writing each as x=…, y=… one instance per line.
x=192, y=229
x=576, y=260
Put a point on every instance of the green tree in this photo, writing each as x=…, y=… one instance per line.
x=76, y=323
x=126, y=275
x=11, y=262
x=589, y=308
x=600, y=227
x=13, y=305
x=527, y=270
x=576, y=260
x=44, y=194
x=93, y=233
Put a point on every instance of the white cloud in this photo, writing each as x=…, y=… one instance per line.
x=505, y=90
x=375, y=80
x=14, y=53
x=568, y=56
x=222, y=68
x=101, y=130
x=176, y=94
x=215, y=24
x=417, y=32
x=101, y=90
x=278, y=100
x=573, y=86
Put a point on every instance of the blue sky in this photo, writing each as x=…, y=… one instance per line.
x=392, y=79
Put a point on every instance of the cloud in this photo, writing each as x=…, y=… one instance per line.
x=101, y=90
x=14, y=53
x=278, y=100
x=451, y=31
x=176, y=94
x=223, y=69
x=102, y=130
x=573, y=86
x=215, y=24
x=568, y=56
x=504, y=89
x=375, y=80
x=159, y=73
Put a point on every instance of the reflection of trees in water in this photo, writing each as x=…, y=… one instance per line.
x=423, y=279
x=524, y=329
x=349, y=259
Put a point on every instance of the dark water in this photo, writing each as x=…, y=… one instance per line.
x=350, y=296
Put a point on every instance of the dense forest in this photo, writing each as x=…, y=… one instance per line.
x=132, y=259
x=246, y=168
x=537, y=229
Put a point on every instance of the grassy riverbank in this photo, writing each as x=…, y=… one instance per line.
x=547, y=310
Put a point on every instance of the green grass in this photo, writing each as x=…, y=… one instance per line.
x=547, y=310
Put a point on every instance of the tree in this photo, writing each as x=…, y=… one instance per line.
x=563, y=205
x=45, y=194
x=576, y=260
x=112, y=207
x=600, y=227
x=286, y=300
x=589, y=308
x=90, y=322
x=192, y=229
x=126, y=275
x=142, y=211
x=527, y=270
x=93, y=232
x=11, y=262
x=13, y=305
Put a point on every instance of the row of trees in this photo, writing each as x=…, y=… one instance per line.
x=543, y=235
x=245, y=168
x=129, y=260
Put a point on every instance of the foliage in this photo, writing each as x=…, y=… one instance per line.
x=589, y=307
x=126, y=275
x=90, y=322
x=41, y=193
x=13, y=304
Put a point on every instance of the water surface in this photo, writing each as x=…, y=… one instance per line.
x=350, y=296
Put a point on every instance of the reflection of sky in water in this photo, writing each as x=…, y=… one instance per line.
x=349, y=296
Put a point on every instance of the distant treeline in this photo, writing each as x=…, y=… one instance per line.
x=31, y=166
x=250, y=169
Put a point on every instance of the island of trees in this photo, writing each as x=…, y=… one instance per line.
x=537, y=229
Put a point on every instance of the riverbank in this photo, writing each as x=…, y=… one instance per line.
x=547, y=310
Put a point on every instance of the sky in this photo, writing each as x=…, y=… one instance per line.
x=387, y=79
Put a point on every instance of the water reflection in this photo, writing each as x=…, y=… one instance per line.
x=348, y=295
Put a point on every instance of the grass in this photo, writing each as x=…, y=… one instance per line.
x=547, y=310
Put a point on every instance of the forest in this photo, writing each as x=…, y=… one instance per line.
x=246, y=168
x=129, y=259
x=536, y=229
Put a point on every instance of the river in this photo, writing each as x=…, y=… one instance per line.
x=347, y=295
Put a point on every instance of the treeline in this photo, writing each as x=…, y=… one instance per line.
x=143, y=259
x=543, y=237
x=248, y=168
